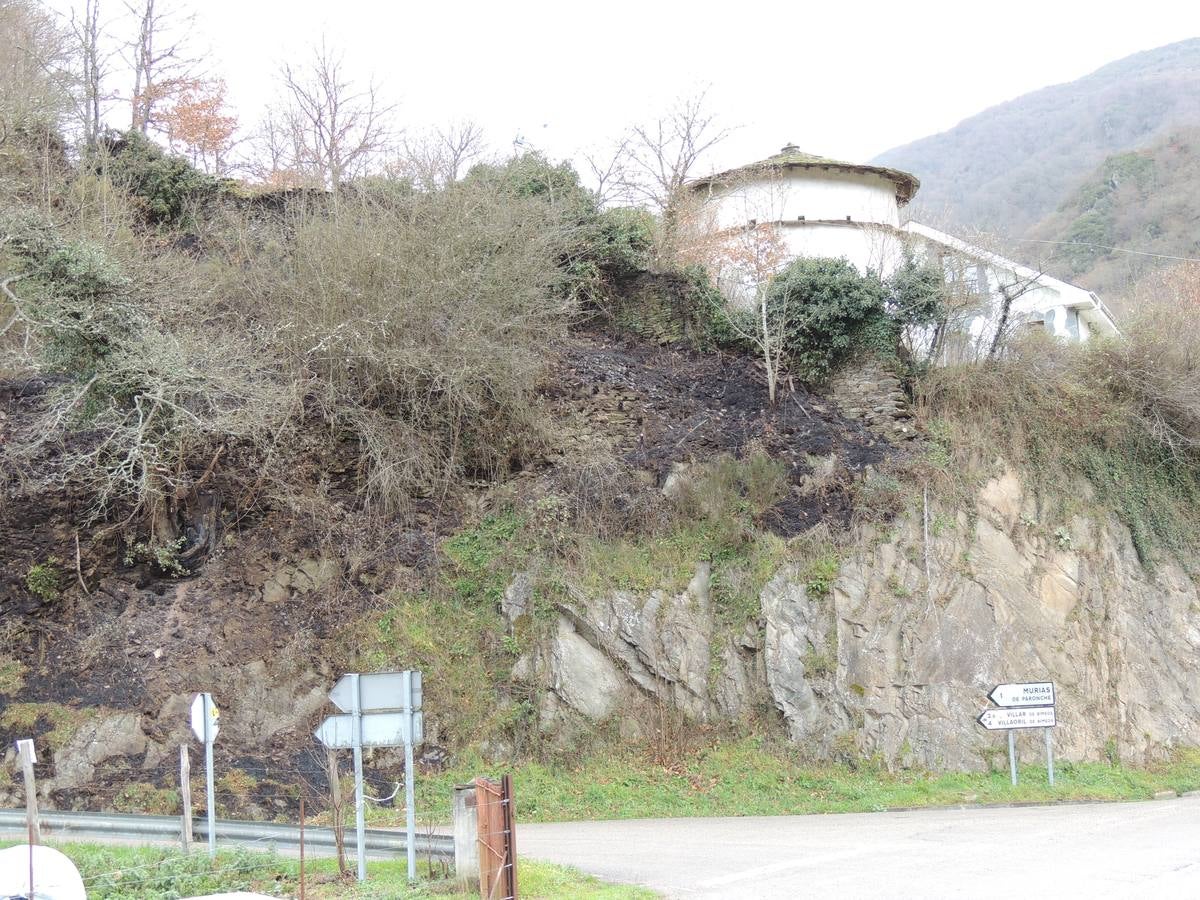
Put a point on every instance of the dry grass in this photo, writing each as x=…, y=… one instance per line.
x=406, y=333
x=1125, y=414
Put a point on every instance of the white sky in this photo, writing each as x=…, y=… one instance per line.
x=842, y=79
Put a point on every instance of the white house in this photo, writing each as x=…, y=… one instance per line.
x=824, y=207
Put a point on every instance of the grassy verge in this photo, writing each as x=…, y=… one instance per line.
x=747, y=778
x=151, y=873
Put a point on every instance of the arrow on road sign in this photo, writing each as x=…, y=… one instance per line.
x=1036, y=693
x=387, y=729
x=378, y=690
x=1029, y=717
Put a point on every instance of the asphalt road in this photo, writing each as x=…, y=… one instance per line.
x=1127, y=850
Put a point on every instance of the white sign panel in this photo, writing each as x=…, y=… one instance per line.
x=1030, y=717
x=378, y=690
x=1036, y=693
x=198, y=717
x=387, y=729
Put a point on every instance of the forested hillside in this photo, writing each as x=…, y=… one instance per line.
x=1137, y=209
x=1010, y=166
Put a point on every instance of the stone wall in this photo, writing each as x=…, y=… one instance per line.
x=867, y=392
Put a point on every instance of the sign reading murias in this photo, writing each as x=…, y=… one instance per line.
x=1019, y=705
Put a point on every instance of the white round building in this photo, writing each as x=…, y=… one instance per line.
x=827, y=208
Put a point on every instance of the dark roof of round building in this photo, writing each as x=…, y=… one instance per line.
x=791, y=157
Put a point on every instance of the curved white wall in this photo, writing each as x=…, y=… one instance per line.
x=816, y=194
x=870, y=248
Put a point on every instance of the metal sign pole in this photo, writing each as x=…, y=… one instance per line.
x=1049, y=756
x=1012, y=756
x=360, y=817
x=409, y=787
x=208, y=776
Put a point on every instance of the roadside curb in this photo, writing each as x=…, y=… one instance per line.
x=1027, y=804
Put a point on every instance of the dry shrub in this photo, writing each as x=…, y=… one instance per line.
x=405, y=331
x=605, y=498
x=1123, y=413
x=418, y=322
x=1157, y=366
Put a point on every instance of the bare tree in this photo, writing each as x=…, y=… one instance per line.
x=87, y=33
x=337, y=128
x=160, y=64
x=35, y=77
x=610, y=172
x=441, y=156
x=754, y=255
x=744, y=248
x=664, y=153
x=274, y=152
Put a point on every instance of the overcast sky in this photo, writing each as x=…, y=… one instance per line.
x=842, y=79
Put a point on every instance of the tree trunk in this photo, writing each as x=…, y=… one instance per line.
x=1002, y=325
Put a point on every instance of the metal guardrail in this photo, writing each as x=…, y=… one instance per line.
x=168, y=829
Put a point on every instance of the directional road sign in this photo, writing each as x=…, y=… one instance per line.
x=198, y=718
x=1029, y=717
x=1036, y=693
x=378, y=690
x=386, y=729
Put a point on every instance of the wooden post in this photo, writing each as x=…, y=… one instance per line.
x=185, y=792
x=28, y=756
x=335, y=798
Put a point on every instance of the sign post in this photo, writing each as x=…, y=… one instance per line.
x=1022, y=705
x=205, y=726
x=410, y=823
x=1049, y=755
x=384, y=711
x=360, y=811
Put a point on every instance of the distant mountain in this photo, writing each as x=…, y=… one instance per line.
x=1145, y=200
x=1011, y=165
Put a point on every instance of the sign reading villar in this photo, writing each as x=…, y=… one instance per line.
x=1022, y=705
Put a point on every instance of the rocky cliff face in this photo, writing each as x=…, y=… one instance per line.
x=893, y=662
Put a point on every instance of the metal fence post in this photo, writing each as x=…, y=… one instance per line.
x=409, y=787
x=360, y=813
x=1012, y=756
x=1049, y=756
x=210, y=790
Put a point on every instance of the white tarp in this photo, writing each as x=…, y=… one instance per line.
x=54, y=876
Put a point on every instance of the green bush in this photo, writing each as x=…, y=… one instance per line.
x=82, y=306
x=828, y=312
x=623, y=240
x=44, y=580
x=165, y=187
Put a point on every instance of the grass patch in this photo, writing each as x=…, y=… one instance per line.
x=717, y=519
x=12, y=675
x=752, y=777
x=58, y=723
x=154, y=873
x=140, y=797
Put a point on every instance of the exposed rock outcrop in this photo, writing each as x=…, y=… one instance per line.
x=893, y=664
